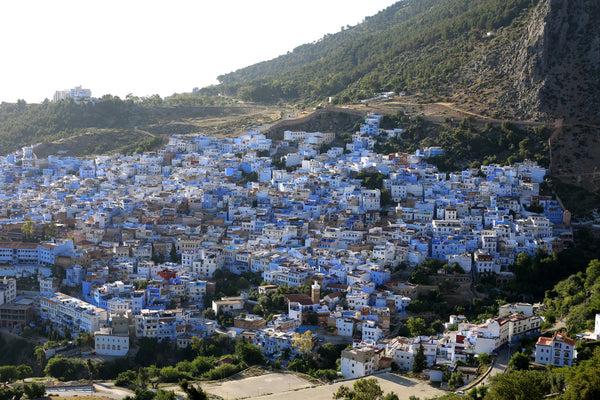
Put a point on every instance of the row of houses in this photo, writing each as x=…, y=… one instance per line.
x=468, y=340
x=208, y=204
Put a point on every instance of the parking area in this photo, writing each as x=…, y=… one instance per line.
x=255, y=386
x=279, y=386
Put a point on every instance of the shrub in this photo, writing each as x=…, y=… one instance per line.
x=34, y=390
x=66, y=369
x=220, y=372
x=126, y=378
x=327, y=374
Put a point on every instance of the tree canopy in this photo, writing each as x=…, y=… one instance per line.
x=362, y=389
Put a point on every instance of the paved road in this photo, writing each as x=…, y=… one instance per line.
x=108, y=389
x=500, y=364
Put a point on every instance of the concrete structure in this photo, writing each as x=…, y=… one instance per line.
x=557, y=350
x=72, y=313
x=228, y=305
x=8, y=290
x=109, y=344
x=514, y=308
x=249, y=321
x=358, y=362
x=19, y=313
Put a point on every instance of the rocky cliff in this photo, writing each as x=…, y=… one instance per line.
x=545, y=66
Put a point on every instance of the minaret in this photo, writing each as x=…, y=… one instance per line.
x=315, y=293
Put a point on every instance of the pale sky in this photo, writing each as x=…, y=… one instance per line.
x=147, y=47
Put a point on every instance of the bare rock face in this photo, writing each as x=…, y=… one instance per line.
x=547, y=65
x=574, y=64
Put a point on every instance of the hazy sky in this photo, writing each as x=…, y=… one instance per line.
x=146, y=47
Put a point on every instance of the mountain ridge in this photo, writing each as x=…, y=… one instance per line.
x=448, y=48
x=527, y=60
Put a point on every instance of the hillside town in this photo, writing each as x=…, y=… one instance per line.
x=129, y=244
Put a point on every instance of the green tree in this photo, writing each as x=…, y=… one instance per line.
x=201, y=365
x=165, y=395
x=9, y=373
x=303, y=343
x=92, y=369
x=11, y=393
x=592, y=273
x=484, y=358
x=312, y=318
x=420, y=361
x=141, y=394
x=50, y=230
x=416, y=326
x=329, y=354
x=250, y=353
x=225, y=320
x=40, y=355
x=209, y=313
x=529, y=385
x=66, y=369
x=385, y=198
x=169, y=374
x=192, y=392
x=143, y=377
x=34, y=390
x=85, y=339
x=27, y=231
x=582, y=380
x=24, y=371
x=173, y=256
x=197, y=345
x=126, y=378
x=519, y=361
x=478, y=392
x=363, y=389
x=456, y=380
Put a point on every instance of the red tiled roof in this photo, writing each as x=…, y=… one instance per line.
x=562, y=337
x=543, y=341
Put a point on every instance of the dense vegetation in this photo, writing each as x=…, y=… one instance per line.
x=410, y=45
x=27, y=124
x=577, y=299
x=578, y=382
x=466, y=142
x=15, y=351
x=21, y=123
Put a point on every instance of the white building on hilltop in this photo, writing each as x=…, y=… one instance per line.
x=78, y=94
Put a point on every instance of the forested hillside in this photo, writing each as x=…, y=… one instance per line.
x=112, y=124
x=576, y=299
x=410, y=45
x=507, y=58
x=22, y=124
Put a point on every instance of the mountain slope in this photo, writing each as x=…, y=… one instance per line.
x=421, y=46
x=548, y=63
x=530, y=59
